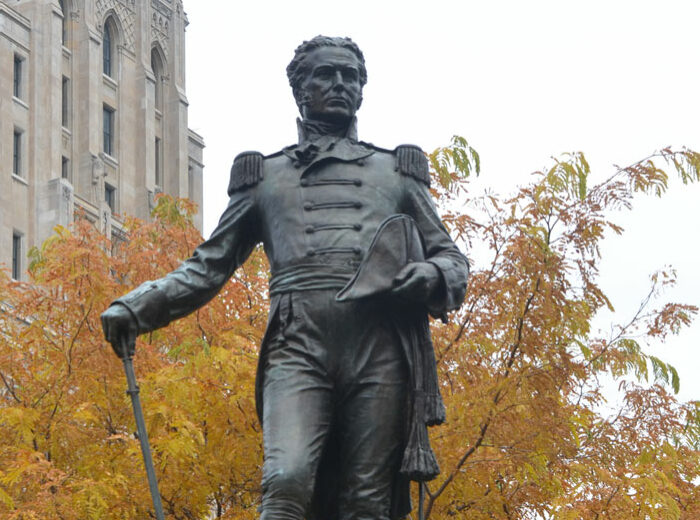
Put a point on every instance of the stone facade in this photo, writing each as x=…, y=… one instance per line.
x=84, y=131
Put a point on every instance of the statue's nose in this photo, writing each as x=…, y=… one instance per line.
x=338, y=79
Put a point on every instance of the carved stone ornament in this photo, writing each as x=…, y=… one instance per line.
x=162, y=7
x=98, y=169
x=66, y=204
x=126, y=14
x=66, y=193
x=160, y=28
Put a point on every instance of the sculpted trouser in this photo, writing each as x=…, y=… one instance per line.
x=331, y=370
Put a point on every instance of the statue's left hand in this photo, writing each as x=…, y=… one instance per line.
x=417, y=281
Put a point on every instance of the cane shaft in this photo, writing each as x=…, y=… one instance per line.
x=421, y=500
x=133, y=391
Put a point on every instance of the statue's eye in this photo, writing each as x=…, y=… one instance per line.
x=323, y=73
x=350, y=75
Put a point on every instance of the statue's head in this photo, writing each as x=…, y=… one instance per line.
x=327, y=75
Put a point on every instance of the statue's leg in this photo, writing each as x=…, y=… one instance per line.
x=371, y=453
x=372, y=415
x=297, y=401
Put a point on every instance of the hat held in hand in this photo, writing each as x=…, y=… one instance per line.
x=396, y=243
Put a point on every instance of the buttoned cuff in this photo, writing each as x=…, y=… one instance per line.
x=454, y=285
x=148, y=304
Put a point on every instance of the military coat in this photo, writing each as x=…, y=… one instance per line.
x=315, y=207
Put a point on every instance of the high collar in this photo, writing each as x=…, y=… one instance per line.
x=311, y=130
x=315, y=147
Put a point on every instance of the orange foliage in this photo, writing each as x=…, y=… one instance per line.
x=67, y=448
x=519, y=366
x=526, y=436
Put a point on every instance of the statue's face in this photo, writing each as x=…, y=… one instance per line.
x=332, y=90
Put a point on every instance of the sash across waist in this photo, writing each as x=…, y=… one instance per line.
x=308, y=275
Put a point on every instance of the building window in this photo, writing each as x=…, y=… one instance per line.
x=65, y=98
x=16, y=255
x=108, y=48
x=65, y=167
x=190, y=182
x=108, y=130
x=17, y=78
x=111, y=197
x=17, y=152
x=159, y=163
x=64, y=32
x=157, y=68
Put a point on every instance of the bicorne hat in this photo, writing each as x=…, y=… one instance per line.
x=396, y=243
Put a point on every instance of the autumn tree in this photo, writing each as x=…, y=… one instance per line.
x=67, y=448
x=519, y=365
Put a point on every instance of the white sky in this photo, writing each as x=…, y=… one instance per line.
x=522, y=81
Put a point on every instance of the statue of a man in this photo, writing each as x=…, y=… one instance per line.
x=346, y=381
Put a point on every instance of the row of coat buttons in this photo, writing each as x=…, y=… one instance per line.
x=311, y=206
x=322, y=250
x=299, y=164
x=324, y=227
x=305, y=183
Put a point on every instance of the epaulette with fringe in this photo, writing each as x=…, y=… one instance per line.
x=247, y=170
x=411, y=161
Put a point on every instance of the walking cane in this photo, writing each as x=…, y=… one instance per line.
x=133, y=391
x=421, y=499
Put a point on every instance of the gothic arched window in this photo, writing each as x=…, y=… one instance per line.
x=157, y=68
x=109, y=38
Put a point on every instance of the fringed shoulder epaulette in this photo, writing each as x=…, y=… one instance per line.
x=247, y=170
x=411, y=161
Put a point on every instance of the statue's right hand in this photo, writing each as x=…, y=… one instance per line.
x=121, y=329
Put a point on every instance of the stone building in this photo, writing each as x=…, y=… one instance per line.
x=93, y=116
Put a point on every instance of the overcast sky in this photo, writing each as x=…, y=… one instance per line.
x=522, y=81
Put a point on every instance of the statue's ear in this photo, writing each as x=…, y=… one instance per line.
x=359, y=103
x=303, y=98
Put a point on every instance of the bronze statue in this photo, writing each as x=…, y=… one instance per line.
x=346, y=380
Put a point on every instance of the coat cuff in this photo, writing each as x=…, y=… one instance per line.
x=454, y=286
x=148, y=304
